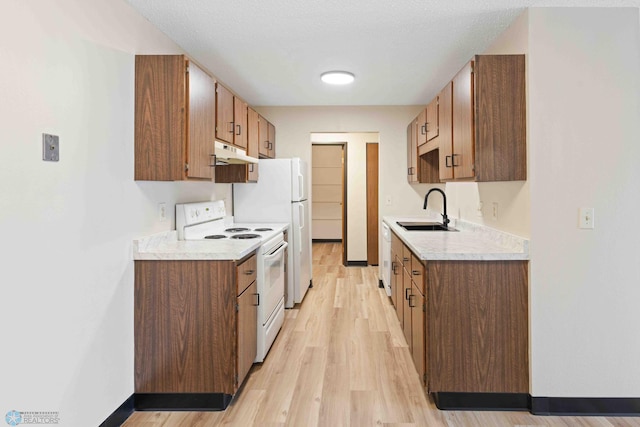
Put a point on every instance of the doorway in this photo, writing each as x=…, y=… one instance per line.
x=328, y=194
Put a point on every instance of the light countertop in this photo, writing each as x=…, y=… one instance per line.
x=166, y=246
x=470, y=242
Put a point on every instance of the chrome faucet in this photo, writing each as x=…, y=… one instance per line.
x=445, y=219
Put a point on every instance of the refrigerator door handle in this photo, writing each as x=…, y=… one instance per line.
x=301, y=191
x=301, y=222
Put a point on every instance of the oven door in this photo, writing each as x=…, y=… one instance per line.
x=273, y=280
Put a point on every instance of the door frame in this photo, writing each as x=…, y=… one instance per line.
x=344, y=193
x=373, y=213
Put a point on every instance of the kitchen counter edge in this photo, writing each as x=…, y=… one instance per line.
x=166, y=246
x=472, y=242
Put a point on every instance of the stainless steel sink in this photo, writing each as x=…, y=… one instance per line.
x=424, y=226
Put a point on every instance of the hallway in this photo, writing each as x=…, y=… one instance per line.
x=341, y=360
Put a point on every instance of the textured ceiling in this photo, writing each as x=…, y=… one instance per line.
x=272, y=52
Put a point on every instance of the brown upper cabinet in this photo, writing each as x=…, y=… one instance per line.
x=225, y=129
x=432, y=125
x=267, y=138
x=231, y=118
x=428, y=126
x=240, y=123
x=248, y=172
x=253, y=142
x=412, y=151
x=489, y=120
x=421, y=127
x=445, y=135
x=422, y=160
x=174, y=119
x=481, y=124
x=272, y=140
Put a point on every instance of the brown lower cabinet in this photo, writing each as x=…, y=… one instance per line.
x=466, y=322
x=195, y=331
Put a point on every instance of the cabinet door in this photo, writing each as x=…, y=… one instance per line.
x=247, y=330
x=160, y=104
x=421, y=128
x=272, y=140
x=418, y=309
x=240, y=123
x=399, y=290
x=393, y=278
x=463, y=123
x=412, y=152
x=432, y=120
x=263, y=135
x=478, y=326
x=253, y=135
x=253, y=142
x=224, y=114
x=202, y=112
x=406, y=310
x=445, y=133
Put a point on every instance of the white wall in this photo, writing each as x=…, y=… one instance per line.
x=294, y=126
x=584, y=86
x=472, y=201
x=356, y=187
x=67, y=227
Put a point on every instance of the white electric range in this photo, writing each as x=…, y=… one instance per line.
x=208, y=222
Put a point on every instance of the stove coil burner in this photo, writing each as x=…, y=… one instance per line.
x=245, y=236
x=236, y=229
x=263, y=229
x=216, y=236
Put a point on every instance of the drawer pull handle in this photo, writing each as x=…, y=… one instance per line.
x=258, y=303
x=410, y=299
x=416, y=272
x=249, y=272
x=406, y=294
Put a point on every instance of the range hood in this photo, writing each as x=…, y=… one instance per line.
x=229, y=155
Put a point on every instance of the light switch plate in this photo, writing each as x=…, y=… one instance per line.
x=586, y=220
x=50, y=148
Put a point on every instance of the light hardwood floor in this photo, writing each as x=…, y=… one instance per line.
x=341, y=360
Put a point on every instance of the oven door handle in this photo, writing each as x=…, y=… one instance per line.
x=276, y=251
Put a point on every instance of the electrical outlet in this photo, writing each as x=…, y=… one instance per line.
x=388, y=201
x=479, y=209
x=162, y=211
x=586, y=218
x=494, y=211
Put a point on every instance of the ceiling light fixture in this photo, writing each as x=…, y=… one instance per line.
x=337, y=77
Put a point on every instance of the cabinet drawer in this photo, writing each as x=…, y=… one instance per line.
x=418, y=273
x=247, y=272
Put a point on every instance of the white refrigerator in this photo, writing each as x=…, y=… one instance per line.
x=280, y=195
